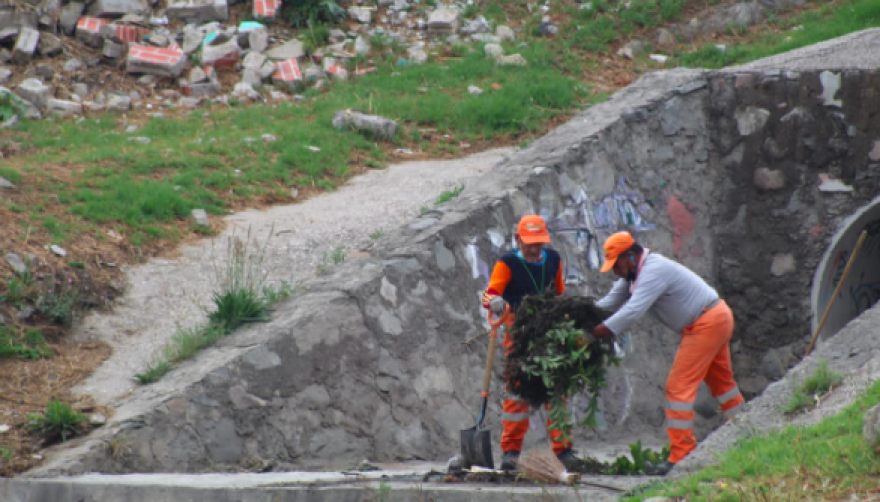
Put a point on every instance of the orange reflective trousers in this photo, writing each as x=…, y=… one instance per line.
x=704, y=355
x=515, y=418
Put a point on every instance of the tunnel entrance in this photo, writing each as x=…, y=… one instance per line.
x=861, y=287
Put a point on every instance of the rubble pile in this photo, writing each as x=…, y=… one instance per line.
x=95, y=55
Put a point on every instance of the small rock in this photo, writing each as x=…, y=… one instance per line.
x=58, y=250
x=269, y=137
x=474, y=90
x=5, y=183
x=97, y=419
x=493, y=50
x=131, y=129
x=505, y=33
x=141, y=139
x=512, y=60
x=25, y=313
x=200, y=218
x=294, y=193
x=16, y=263
x=4, y=428
x=660, y=58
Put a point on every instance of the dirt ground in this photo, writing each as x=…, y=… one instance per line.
x=26, y=386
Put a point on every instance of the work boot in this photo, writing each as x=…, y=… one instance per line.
x=570, y=460
x=508, y=460
x=660, y=469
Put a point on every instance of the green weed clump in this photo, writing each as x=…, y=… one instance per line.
x=641, y=459
x=241, y=297
x=448, y=195
x=58, y=422
x=813, y=388
x=30, y=345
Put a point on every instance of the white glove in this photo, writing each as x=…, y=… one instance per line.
x=497, y=304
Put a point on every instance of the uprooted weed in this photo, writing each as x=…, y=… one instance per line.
x=543, y=364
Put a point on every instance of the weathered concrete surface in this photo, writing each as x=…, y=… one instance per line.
x=371, y=361
x=399, y=483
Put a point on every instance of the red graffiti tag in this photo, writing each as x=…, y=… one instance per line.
x=682, y=223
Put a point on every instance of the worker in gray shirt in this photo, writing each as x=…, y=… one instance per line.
x=682, y=300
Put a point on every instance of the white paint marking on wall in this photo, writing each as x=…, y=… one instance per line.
x=830, y=85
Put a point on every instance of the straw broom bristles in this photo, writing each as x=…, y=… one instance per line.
x=542, y=466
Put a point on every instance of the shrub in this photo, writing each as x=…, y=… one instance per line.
x=302, y=13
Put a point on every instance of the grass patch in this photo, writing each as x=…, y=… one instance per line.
x=58, y=423
x=827, y=461
x=829, y=21
x=30, y=344
x=448, y=195
x=154, y=372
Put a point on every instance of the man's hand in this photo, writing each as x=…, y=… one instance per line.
x=584, y=339
x=497, y=304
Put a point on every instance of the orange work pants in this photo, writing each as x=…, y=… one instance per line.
x=515, y=419
x=703, y=355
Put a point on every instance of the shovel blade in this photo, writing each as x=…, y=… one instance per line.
x=476, y=447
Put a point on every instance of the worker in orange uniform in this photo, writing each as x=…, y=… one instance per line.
x=682, y=300
x=530, y=269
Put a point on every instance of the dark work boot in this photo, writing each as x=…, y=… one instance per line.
x=508, y=460
x=660, y=469
x=570, y=460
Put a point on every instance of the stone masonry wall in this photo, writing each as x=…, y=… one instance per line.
x=383, y=359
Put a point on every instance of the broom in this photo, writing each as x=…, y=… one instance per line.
x=542, y=466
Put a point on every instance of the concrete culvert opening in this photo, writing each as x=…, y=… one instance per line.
x=860, y=289
x=744, y=175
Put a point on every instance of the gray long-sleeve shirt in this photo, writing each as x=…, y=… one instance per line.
x=669, y=290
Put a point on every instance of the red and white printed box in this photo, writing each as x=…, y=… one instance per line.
x=288, y=73
x=88, y=30
x=266, y=8
x=164, y=62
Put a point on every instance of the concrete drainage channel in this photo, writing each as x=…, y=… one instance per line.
x=745, y=175
x=422, y=482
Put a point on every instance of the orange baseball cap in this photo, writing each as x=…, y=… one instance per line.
x=614, y=246
x=532, y=229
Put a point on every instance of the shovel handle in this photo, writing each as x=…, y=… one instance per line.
x=493, y=338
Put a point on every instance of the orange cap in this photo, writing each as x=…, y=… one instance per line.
x=532, y=229
x=614, y=246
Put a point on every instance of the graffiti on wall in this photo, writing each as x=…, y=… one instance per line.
x=622, y=209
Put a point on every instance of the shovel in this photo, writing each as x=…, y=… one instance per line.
x=476, y=442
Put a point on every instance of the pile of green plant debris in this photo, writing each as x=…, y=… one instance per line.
x=543, y=364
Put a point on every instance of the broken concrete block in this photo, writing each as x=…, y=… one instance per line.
x=266, y=9
x=512, y=60
x=118, y=8
x=9, y=18
x=9, y=34
x=70, y=14
x=192, y=38
x=202, y=90
x=254, y=61
x=828, y=183
x=291, y=49
x=88, y=31
x=251, y=77
x=34, y=91
x=22, y=106
x=363, y=15
x=197, y=76
x=258, y=39
x=49, y=45
x=443, y=22
x=267, y=70
x=362, y=46
x=220, y=50
x=353, y=119
x=118, y=102
x=245, y=91
x=163, y=62
x=337, y=72
x=25, y=46
x=200, y=218
x=287, y=74
x=112, y=49
x=198, y=10
x=63, y=108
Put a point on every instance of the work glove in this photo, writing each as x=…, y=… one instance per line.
x=497, y=304
x=584, y=339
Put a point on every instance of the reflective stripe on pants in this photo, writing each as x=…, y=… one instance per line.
x=704, y=355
